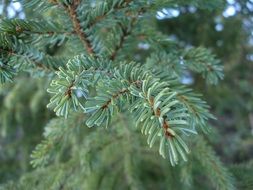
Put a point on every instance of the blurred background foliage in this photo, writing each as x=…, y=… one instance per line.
x=227, y=31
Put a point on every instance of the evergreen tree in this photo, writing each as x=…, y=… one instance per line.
x=115, y=84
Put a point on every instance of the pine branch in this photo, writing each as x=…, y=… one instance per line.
x=50, y=33
x=19, y=26
x=158, y=113
x=71, y=9
x=96, y=85
x=38, y=59
x=119, y=93
x=220, y=177
x=115, y=96
x=117, y=7
x=12, y=52
x=202, y=61
x=6, y=73
x=199, y=60
x=125, y=33
x=77, y=76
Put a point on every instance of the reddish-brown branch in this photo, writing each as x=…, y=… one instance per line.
x=114, y=97
x=126, y=32
x=165, y=129
x=157, y=113
x=69, y=90
x=121, y=42
x=123, y=91
x=71, y=9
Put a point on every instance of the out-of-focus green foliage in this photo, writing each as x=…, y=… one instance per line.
x=230, y=37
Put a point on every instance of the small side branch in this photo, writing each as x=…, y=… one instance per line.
x=115, y=96
x=157, y=113
x=127, y=31
x=119, y=93
x=118, y=7
x=37, y=64
x=71, y=9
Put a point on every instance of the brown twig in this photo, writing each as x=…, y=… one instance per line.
x=123, y=91
x=157, y=113
x=71, y=9
x=126, y=32
x=69, y=90
x=114, y=97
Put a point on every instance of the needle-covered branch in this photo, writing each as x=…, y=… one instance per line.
x=113, y=68
x=161, y=109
